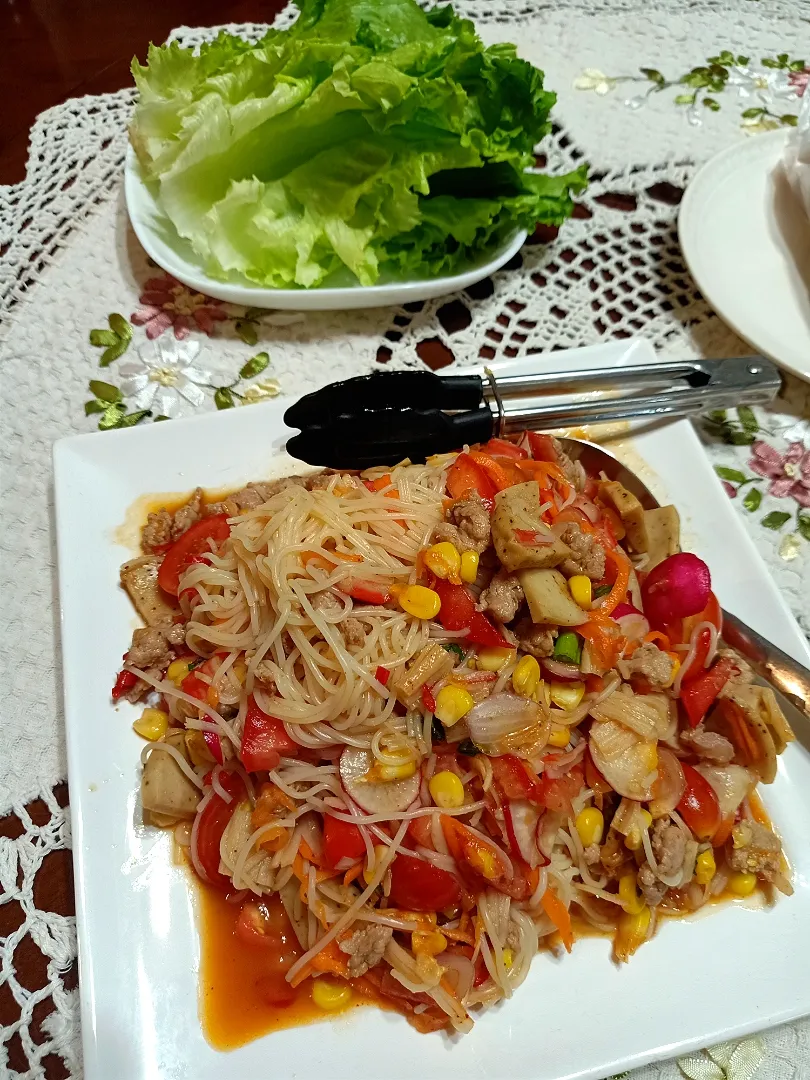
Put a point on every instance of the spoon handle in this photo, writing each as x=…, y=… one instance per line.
x=787, y=676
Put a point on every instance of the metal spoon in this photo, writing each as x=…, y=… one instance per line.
x=789, y=679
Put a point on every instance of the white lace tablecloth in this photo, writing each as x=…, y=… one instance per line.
x=648, y=90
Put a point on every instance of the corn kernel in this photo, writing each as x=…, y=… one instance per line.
x=379, y=853
x=419, y=601
x=177, y=671
x=493, y=658
x=590, y=825
x=705, y=867
x=330, y=995
x=469, y=566
x=446, y=790
x=240, y=671
x=633, y=930
x=581, y=590
x=742, y=884
x=567, y=695
x=559, y=737
x=391, y=772
x=508, y=958
x=632, y=903
x=152, y=724
x=633, y=839
x=482, y=860
x=443, y=560
x=428, y=942
x=526, y=677
x=452, y=702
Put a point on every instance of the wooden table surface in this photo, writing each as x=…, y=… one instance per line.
x=55, y=50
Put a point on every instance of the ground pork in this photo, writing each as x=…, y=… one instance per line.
x=176, y=633
x=502, y=597
x=572, y=470
x=468, y=526
x=740, y=680
x=591, y=854
x=649, y=662
x=669, y=847
x=187, y=514
x=652, y=889
x=353, y=631
x=327, y=603
x=709, y=745
x=587, y=554
x=264, y=674
x=535, y=639
x=149, y=648
x=365, y=948
x=157, y=532
x=755, y=849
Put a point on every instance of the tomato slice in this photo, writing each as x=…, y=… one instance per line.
x=700, y=693
x=419, y=886
x=542, y=447
x=513, y=780
x=698, y=663
x=458, y=613
x=558, y=793
x=699, y=807
x=211, y=824
x=466, y=475
x=264, y=740
x=194, y=541
x=341, y=840
x=501, y=448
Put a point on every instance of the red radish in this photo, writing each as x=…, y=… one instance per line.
x=632, y=622
x=678, y=587
x=376, y=797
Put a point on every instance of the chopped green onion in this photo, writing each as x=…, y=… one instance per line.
x=457, y=649
x=601, y=590
x=568, y=648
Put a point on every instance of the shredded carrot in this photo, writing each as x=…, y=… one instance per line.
x=458, y=935
x=740, y=731
x=558, y=913
x=534, y=878
x=758, y=811
x=542, y=471
x=656, y=635
x=503, y=474
x=330, y=960
x=619, y=588
x=380, y=483
x=353, y=872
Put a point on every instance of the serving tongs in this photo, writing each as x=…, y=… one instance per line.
x=382, y=419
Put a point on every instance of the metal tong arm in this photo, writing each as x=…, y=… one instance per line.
x=775, y=666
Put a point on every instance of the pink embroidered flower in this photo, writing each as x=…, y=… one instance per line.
x=729, y=489
x=168, y=303
x=799, y=80
x=789, y=473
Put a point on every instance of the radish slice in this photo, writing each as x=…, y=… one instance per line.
x=561, y=670
x=376, y=797
x=678, y=587
x=525, y=817
x=670, y=785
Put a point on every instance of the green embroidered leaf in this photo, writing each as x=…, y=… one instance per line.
x=131, y=419
x=717, y=416
x=114, y=351
x=738, y=438
x=653, y=75
x=710, y=103
x=749, y=114
x=775, y=520
x=696, y=78
x=803, y=524
x=105, y=391
x=94, y=406
x=112, y=414
x=749, y=422
x=162, y=417
x=120, y=326
x=684, y=99
x=223, y=398
x=103, y=338
x=797, y=65
x=730, y=474
x=789, y=119
x=743, y=60
x=254, y=313
x=752, y=500
x=766, y=62
x=246, y=331
x=783, y=59
x=255, y=365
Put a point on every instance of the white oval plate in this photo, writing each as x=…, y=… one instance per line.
x=175, y=255
x=746, y=240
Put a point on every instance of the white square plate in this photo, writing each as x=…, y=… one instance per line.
x=698, y=982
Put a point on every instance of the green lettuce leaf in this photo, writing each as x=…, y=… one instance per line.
x=369, y=139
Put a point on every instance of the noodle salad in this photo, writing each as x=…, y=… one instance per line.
x=445, y=714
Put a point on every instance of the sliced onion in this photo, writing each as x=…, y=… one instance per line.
x=500, y=715
x=559, y=766
x=731, y=784
x=310, y=827
x=668, y=789
x=624, y=758
x=588, y=508
x=562, y=671
x=459, y=972
x=678, y=587
x=524, y=817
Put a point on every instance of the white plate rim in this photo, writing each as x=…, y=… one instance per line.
x=139, y=201
x=64, y=451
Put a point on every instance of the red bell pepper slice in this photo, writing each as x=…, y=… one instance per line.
x=458, y=613
x=264, y=740
x=194, y=541
x=542, y=447
x=466, y=475
x=419, y=886
x=211, y=824
x=501, y=448
x=699, y=807
x=195, y=687
x=514, y=781
x=699, y=694
x=382, y=675
x=123, y=684
x=428, y=700
x=341, y=840
x=367, y=592
x=214, y=743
